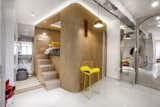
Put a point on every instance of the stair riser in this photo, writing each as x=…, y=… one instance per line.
x=44, y=62
x=52, y=86
x=49, y=77
x=42, y=56
x=45, y=69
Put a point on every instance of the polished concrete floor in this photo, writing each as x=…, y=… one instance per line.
x=112, y=93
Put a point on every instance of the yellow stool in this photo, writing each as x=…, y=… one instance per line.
x=96, y=70
x=87, y=71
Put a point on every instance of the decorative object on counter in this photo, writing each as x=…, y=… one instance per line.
x=22, y=74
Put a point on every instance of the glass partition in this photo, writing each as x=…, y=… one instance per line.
x=149, y=53
x=128, y=44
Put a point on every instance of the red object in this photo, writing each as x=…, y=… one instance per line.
x=9, y=90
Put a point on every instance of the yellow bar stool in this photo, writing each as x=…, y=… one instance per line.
x=97, y=71
x=87, y=72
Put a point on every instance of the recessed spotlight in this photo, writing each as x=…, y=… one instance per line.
x=158, y=25
x=155, y=4
x=33, y=14
x=158, y=18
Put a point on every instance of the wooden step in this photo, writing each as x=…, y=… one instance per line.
x=47, y=67
x=51, y=84
x=49, y=75
x=27, y=85
x=44, y=61
x=42, y=56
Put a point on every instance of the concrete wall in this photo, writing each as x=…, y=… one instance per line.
x=7, y=42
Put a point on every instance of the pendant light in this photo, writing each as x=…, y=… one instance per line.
x=98, y=24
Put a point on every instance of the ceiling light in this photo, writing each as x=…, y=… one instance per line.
x=158, y=18
x=122, y=27
x=32, y=14
x=56, y=24
x=155, y=4
x=158, y=25
x=44, y=33
x=98, y=24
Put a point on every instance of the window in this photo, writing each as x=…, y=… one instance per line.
x=25, y=48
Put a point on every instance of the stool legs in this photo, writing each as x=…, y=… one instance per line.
x=98, y=76
x=90, y=80
x=84, y=82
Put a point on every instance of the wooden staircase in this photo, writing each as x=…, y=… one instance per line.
x=47, y=73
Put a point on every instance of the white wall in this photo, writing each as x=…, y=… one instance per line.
x=113, y=49
x=7, y=40
x=9, y=32
x=156, y=37
x=0, y=60
x=0, y=30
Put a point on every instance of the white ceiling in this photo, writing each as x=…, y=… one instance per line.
x=140, y=8
x=151, y=25
x=40, y=8
x=25, y=30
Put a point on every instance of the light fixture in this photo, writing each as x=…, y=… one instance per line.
x=43, y=36
x=158, y=25
x=155, y=4
x=158, y=18
x=98, y=24
x=33, y=14
x=56, y=24
x=44, y=33
x=122, y=27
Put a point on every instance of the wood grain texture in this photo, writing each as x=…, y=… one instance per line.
x=77, y=45
x=41, y=45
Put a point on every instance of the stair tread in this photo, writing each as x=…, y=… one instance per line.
x=49, y=72
x=46, y=65
x=43, y=59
